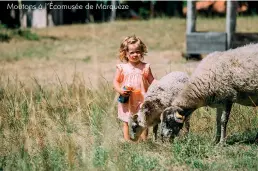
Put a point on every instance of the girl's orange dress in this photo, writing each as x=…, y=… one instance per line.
x=137, y=79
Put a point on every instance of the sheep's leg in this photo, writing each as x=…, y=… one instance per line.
x=155, y=132
x=224, y=121
x=187, y=125
x=184, y=132
x=218, y=126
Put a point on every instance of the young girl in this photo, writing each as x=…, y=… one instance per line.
x=136, y=76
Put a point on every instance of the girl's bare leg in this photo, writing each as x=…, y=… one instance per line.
x=126, y=131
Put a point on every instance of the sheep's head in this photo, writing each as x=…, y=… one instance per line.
x=138, y=122
x=135, y=128
x=171, y=122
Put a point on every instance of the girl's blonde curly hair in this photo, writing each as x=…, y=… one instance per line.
x=128, y=41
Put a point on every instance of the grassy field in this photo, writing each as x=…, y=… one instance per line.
x=58, y=108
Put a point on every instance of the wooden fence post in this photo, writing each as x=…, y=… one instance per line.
x=191, y=16
x=113, y=11
x=230, y=21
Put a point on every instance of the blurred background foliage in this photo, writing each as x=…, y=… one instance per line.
x=137, y=10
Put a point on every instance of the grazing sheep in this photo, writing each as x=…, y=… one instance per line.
x=158, y=97
x=221, y=79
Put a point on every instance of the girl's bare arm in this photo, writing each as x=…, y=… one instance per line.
x=150, y=77
x=116, y=85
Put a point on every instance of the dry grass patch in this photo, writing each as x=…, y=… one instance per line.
x=58, y=110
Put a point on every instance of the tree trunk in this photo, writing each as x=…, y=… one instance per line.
x=152, y=9
x=22, y=16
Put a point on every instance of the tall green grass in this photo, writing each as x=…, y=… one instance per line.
x=74, y=127
x=8, y=34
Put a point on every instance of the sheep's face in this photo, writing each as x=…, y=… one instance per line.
x=134, y=127
x=171, y=122
x=143, y=119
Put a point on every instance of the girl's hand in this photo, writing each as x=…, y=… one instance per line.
x=124, y=93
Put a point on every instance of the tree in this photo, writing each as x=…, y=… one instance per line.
x=22, y=16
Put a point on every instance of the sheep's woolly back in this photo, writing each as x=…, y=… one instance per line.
x=167, y=88
x=230, y=75
x=160, y=96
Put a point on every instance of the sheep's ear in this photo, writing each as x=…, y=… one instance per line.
x=179, y=118
x=162, y=116
x=164, y=113
x=134, y=117
x=158, y=103
x=146, y=104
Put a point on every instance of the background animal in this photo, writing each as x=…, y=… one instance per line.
x=221, y=79
x=158, y=97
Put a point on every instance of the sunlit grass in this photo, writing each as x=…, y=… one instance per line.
x=73, y=125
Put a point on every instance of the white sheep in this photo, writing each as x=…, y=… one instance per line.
x=221, y=79
x=158, y=97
